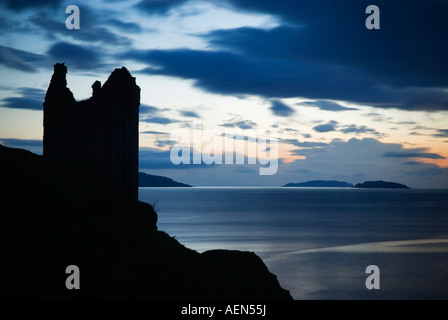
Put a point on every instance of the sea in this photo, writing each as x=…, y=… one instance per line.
x=321, y=243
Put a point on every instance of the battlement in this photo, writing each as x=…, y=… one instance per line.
x=100, y=132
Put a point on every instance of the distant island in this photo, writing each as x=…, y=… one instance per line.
x=150, y=180
x=321, y=184
x=342, y=184
x=381, y=184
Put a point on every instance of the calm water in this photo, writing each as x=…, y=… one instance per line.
x=320, y=241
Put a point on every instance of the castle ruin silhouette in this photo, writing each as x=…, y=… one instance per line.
x=100, y=132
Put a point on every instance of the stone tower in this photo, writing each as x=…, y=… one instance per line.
x=100, y=132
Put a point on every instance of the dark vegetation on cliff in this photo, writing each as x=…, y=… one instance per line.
x=54, y=214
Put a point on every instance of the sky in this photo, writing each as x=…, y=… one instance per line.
x=344, y=102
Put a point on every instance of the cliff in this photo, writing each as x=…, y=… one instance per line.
x=54, y=214
x=381, y=184
x=150, y=180
x=321, y=183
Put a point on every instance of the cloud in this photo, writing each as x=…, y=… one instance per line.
x=326, y=105
x=352, y=128
x=330, y=126
x=348, y=128
x=159, y=120
x=441, y=133
x=413, y=153
x=158, y=7
x=232, y=73
x=153, y=132
x=91, y=29
x=76, y=56
x=243, y=124
x=20, y=60
x=333, y=56
x=19, y=5
x=130, y=27
x=304, y=144
x=30, y=98
x=164, y=143
x=410, y=57
x=150, y=109
x=281, y=109
x=191, y=114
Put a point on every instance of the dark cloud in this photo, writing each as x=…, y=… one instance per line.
x=352, y=128
x=91, y=29
x=30, y=98
x=190, y=114
x=149, y=109
x=20, y=60
x=413, y=153
x=386, y=81
x=407, y=47
x=304, y=144
x=159, y=120
x=332, y=55
x=330, y=126
x=164, y=143
x=243, y=124
x=158, y=7
x=441, y=133
x=349, y=128
x=281, y=109
x=153, y=132
x=327, y=105
x=131, y=27
x=19, y=5
x=76, y=56
x=232, y=73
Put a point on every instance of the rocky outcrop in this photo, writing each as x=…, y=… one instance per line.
x=250, y=267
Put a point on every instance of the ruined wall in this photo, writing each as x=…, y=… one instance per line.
x=100, y=132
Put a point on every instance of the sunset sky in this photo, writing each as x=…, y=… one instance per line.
x=348, y=103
